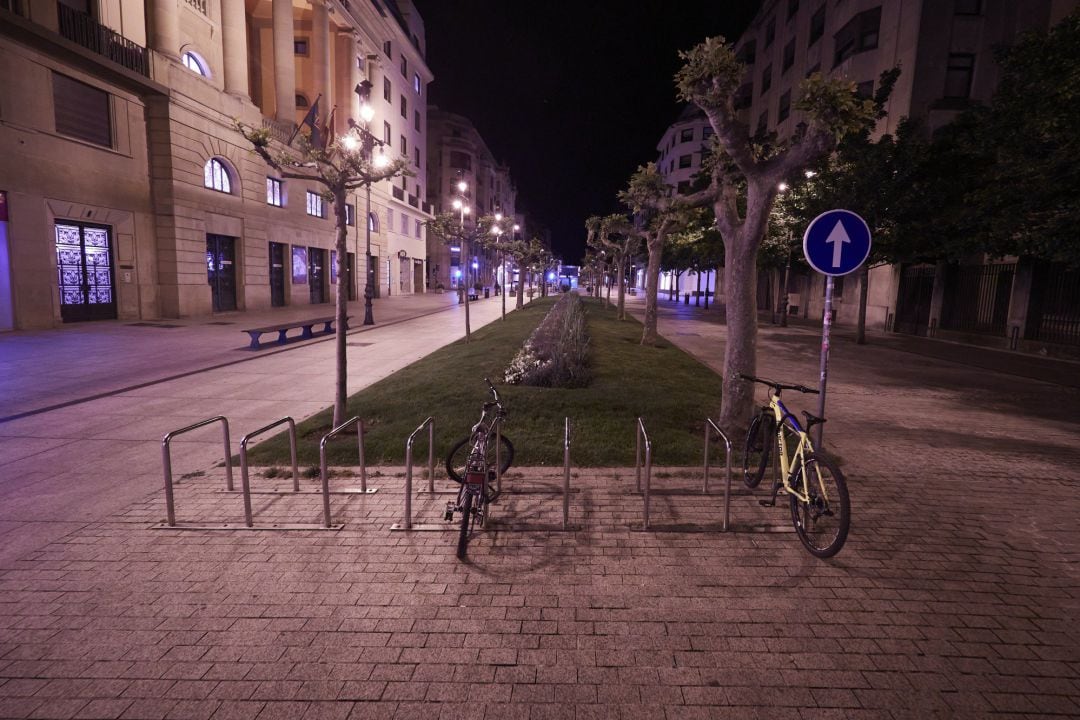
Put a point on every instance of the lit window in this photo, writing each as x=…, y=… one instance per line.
x=373, y=222
x=315, y=206
x=350, y=215
x=195, y=64
x=274, y=196
x=216, y=176
x=417, y=84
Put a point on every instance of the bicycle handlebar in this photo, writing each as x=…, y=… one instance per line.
x=493, y=391
x=780, y=386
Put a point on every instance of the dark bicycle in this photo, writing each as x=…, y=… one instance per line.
x=473, y=462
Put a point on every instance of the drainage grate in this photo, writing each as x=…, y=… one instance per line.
x=153, y=325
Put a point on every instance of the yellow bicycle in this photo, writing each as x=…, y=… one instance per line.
x=820, y=509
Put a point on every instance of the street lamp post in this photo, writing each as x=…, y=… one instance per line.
x=367, y=113
x=462, y=207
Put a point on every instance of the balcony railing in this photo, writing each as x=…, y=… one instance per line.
x=199, y=5
x=280, y=131
x=414, y=201
x=399, y=194
x=426, y=207
x=83, y=30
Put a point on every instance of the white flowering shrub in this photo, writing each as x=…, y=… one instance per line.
x=556, y=353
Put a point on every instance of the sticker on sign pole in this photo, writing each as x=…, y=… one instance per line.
x=837, y=242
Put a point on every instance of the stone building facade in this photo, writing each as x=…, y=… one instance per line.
x=131, y=195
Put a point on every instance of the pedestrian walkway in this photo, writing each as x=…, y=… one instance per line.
x=956, y=595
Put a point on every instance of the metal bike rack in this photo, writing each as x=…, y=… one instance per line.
x=166, y=461
x=244, y=484
x=325, y=476
x=566, y=478
x=711, y=427
x=430, y=424
x=642, y=434
x=498, y=454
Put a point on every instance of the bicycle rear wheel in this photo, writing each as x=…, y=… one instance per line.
x=459, y=454
x=760, y=439
x=822, y=523
x=466, y=521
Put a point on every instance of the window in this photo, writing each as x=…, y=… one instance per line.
x=860, y=34
x=792, y=8
x=815, y=69
x=301, y=101
x=404, y=107
x=706, y=133
x=81, y=111
x=389, y=219
x=388, y=49
x=404, y=67
x=216, y=176
x=416, y=157
x=784, y=109
x=274, y=195
x=770, y=32
x=350, y=214
x=417, y=84
x=300, y=46
x=687, y=135
x=763, y=122
x=685, y=161
x=747, y=53
x=419, y=226
x=817, y=26
x=865, y=90
x=373, y=222
x=195, y=64
x=404, y=224
x=315, y=207
x=958, y=74
x=789, y=56
x=766, y=79
x=460, y=160
x=404, y=146
x=416, y=120
x=968, y=7
x=744, y=96
x=387, y=89
x=386, y=132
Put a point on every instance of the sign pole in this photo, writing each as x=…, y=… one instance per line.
x=825, y=327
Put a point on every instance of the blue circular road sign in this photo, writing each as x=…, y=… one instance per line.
x=837, y=242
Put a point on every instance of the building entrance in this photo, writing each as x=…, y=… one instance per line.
x=418, y=276
x=316, y=274
x=85, y=273
x=277, y=274
x=221, y=271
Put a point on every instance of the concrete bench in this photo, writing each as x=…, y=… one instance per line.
x=283, y=328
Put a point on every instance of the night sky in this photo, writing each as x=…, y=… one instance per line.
x=573, y=96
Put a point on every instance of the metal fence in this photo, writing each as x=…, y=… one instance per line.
x=913, y=299
x=83, y=30
x=1054, y=306
x=976, y=298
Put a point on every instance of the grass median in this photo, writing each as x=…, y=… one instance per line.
x=672, y=391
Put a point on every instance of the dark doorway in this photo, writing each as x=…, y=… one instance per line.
x=373, y=263
x=317, y=275
x=221, y=271
x=418, y=276
x=277, y=274
x=350, y=277
x=913, y=299
x=84, y=267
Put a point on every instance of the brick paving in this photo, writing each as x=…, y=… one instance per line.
x=956, y=596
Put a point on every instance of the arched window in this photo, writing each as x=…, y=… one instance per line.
x=301, y=101
x=216, y=176
x=373, y=222
x=195, y=63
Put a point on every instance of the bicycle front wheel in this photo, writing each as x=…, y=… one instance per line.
x=823, y=521
x=466, y=521
x=760, y=439
x=459, y=454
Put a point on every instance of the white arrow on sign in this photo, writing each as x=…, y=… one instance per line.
x=837, y=238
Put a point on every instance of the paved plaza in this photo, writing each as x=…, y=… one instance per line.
x=957, y=594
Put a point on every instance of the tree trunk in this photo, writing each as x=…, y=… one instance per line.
x=675, y=285
x=607, y=285
x=340, y=306
x=655, y=243
x=864, y=293
x=708, y=276
x=622, y=288
x=520, y=290
x=697, y=293
x=786, y=290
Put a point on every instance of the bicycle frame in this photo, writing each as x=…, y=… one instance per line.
x=785, y=421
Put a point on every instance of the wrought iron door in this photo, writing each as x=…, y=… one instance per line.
x=221, y=271
x=84, y=267
x=277, y=274
x=316, y=274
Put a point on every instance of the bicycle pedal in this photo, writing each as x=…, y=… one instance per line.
x=448, y=515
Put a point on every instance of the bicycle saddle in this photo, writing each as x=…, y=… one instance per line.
x=812, y=420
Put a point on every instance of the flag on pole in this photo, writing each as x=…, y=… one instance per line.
x=327, y=130
x=310, y=119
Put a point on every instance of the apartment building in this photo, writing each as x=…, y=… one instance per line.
x=457, y=153
x=944, y=49
x=128, y=192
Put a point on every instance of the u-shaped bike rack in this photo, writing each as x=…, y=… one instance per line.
x=166, y=462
